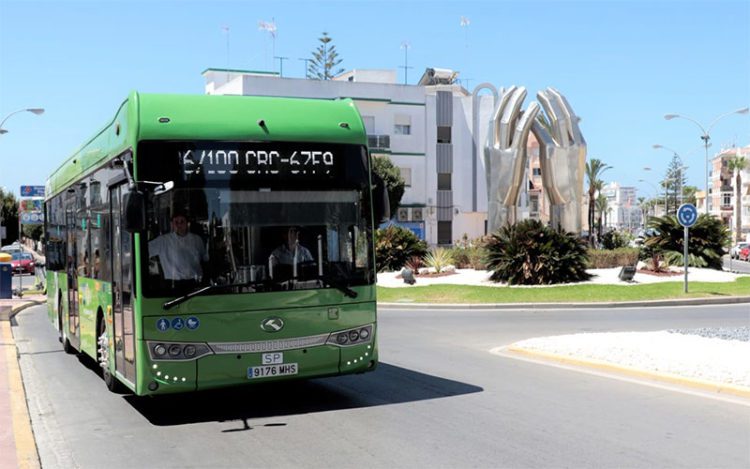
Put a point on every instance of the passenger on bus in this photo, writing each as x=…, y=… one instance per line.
x=180, y=252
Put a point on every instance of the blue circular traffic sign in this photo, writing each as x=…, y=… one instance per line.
x=687, y=215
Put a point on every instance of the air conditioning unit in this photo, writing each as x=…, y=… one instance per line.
x=402, y=214
x=417, y=214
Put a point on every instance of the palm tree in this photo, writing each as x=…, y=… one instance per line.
x=601, y=207
x=644, y=209
x=738, y=163
x=594, y=169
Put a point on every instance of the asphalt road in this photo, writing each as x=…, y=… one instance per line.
x=438, y=399
x=737, y=265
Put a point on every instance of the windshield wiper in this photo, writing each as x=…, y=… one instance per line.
x=339, y=284
x=200, y=291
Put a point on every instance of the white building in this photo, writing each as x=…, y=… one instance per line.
x=425, y=129
x=622, y=207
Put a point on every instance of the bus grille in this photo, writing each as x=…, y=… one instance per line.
x=268, y=345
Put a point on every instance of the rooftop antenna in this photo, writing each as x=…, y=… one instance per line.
x=225, y=28
x=271, y=28
x=307, y=66
x=281, y=64
x=405, y=46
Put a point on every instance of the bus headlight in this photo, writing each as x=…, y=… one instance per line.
x=160, y=350
x=177, y=351
x=354, y=336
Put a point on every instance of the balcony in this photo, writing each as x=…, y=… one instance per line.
x=379, y=142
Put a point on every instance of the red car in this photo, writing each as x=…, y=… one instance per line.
x=23, y=263
x=745, y=254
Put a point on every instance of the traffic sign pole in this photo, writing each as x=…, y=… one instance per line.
x=687, y=215
x=686, y=258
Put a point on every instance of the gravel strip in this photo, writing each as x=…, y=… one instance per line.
x=724, y=333
x=720, y=360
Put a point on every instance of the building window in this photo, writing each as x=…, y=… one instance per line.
x=726, y=199
x=402, y=129
x=443, y=134
x=369, y=124
x=536, y=171
x=406, y=175
x=444, y=181
x=444, y=232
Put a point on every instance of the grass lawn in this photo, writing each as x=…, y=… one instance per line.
x=562, y=294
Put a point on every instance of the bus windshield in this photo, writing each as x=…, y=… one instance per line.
x=254, y=217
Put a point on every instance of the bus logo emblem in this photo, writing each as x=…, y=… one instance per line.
x=272, y=324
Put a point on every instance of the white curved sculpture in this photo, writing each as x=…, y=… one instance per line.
x=562, y=157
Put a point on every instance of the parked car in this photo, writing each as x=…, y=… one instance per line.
x=23, y=263
x=734, y=253
x=745, y=254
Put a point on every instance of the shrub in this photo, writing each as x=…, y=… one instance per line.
x=394, y=245
x=438, y=259
x=414, y=263
x=470, y=253
x=606, y=258
x=530, y=253
x=705, y=247
x=614, y=240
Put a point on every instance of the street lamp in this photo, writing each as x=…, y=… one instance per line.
x=35, y=110
x=706, y=134
x=656, y=192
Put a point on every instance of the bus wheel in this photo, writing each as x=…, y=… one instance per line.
x=102, y=357
x=67, y=347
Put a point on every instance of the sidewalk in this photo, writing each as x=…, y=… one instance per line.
x=17, y=445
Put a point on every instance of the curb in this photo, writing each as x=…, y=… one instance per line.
x=712, y=386
x=614, y=304
x=27, y=455
x=18, y=309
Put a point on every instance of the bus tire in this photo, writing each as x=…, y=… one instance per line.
x=66, y=345
x=102, y=355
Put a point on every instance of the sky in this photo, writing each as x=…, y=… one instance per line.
x=621, y=65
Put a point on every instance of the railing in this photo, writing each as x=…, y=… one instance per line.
x=379, y=142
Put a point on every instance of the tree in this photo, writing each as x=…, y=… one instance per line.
x=674, y=180
x=737, y=164
x=688, y=195
x=601, y=207
x=594, y=169
x=394, y=183
x=324, y=60
x=9, y=215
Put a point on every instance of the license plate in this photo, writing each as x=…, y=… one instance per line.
x=270, y=371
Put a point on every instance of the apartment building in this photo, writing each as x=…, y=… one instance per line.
x=722, y=189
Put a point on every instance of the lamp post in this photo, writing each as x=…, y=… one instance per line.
x=35, y=110
x=706, y=134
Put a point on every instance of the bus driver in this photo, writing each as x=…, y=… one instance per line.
x=180, y=252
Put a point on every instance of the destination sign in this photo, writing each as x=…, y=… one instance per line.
x=260, y=160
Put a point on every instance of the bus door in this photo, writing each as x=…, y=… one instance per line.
x=122, y=288
x=71, y=265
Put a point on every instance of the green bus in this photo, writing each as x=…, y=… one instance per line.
x=199, y=242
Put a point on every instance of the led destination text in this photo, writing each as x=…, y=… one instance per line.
x=213, y=162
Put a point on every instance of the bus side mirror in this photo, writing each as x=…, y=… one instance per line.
x=381, y=203
x=135, y=212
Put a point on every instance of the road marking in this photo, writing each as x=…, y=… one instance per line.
x=26, y=452
x=708, y=389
